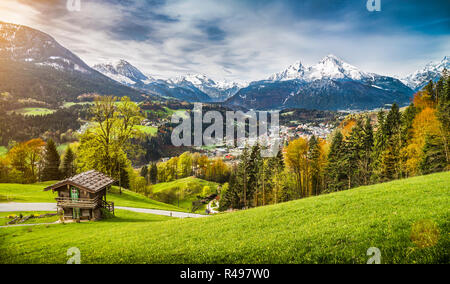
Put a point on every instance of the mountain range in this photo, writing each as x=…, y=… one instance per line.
x=34, y=65
x=331, y=84
x=431, y=72
x=192, y=87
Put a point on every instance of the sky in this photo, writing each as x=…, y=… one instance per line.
x=242, y=40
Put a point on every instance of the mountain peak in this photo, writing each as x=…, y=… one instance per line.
x=123, y=72
x=293, y=72
x=332, y=58
x=330, y=67
x=431, y=71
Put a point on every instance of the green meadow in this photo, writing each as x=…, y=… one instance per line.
x=35, y=193
x=3, y=151
x=5, y=217
x=407, y=220
x=148, y=130
x=34, y=111
x=184, y=192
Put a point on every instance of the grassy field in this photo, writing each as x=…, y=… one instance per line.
x=4, y=217
x=190, y=188
x=148, y=130
x=33, y=111
x=36, y=193
x=69, y=104
x=3, y=151
x=334, y=228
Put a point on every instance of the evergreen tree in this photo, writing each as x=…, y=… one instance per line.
x=51, y=162
x=390, y=167
x=68, y=168
x=254, y=171
x=144, y=171
x=365, y=152
x=380, y=141
x=443, y=114
x=433, y=159
x=314, y=156
x=153, y=173
x=336, y=169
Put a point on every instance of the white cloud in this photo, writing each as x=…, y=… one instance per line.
x=257, y=43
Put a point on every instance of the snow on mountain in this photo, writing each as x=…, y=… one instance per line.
x=34, y=65
x=293, y=72
x=123, y=72
x=330, y=67
x=218, y=91
x=23, y=44
x=431, y=71
x=330, y=84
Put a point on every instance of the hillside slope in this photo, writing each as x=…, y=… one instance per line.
x=34, y=193
x=334, y=228
x=34, y=65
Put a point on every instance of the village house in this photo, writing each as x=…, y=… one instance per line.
x=83, y=196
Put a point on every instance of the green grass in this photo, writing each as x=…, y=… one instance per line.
x=334, y=228
x=148, y=130
x=189, y=183
x=69, y=104
x=35, y=193
x=4, y=217
x=3, y=151
x=34, y=111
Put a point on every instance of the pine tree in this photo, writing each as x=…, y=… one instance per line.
x=51, y=162
x=336, y=169
x=253, y=174
x=390, y=163
x=433, y=159
x=314, y=156
x=365, y=152
x=144, y=171
x=68, y=168
x=153, y=173
x=443, y=114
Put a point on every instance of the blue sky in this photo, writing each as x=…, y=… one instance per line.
x=243, y=39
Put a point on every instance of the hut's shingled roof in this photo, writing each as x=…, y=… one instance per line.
x=91, y=180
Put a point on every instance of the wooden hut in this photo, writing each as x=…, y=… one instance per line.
x=83, y=196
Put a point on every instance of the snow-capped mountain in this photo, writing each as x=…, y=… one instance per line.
x=329, y=67
x=431, y=72
x=330, y=84
x=123, y=72
x=217, y=91
x=23, y=44
x=34, y=65
x=127, y=74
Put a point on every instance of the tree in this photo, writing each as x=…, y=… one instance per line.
x=184, y=165
x=336, y=169
x=433, y=159
x=68, y=167
x=297, y=161
x=315, y=167
x=153, y=173
x=51, y=162
x=25, y=158
x=104, y=145
x=144, y=173
x=443, y=113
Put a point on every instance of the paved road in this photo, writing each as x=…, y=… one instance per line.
x=14, y=207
